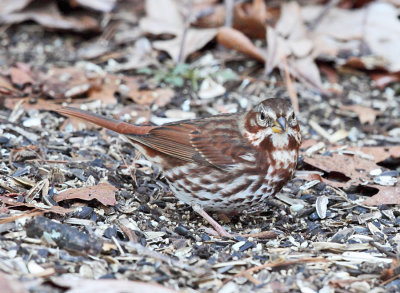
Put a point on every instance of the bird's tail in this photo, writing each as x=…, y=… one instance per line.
x=112, y=124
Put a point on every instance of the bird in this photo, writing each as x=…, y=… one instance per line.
x=224, y=163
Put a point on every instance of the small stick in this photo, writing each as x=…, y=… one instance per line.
x=328, y=6
x=290, y=86
x=229, y=13
x=274, y=265
x=32, y=213
x=384, y=251
x=185, y=29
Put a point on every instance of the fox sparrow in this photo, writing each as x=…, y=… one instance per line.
x=225, y=163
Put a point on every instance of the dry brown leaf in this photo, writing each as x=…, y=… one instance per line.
x=234, y=39
x=349, y=30
x=354, y=167
x=276, y=50
x=103, y=192
x=305, y=144
x=306, y=70
x=140, y=56
x=289, y=40
x=250, y=18
x=385, y=195
x=20, y=77
x=46, y=13
x=384, y=79
x=378, y=153
x=66, y=82
x=6, y=88
x=160, y=97
x=330, y=73
x=365, y=114
x=195, y=39
x=310, y=177
x=104, y=89
x=86, y=285
x=215, y=16
x=163, y=17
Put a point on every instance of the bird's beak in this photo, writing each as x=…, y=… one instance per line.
x=279, y=125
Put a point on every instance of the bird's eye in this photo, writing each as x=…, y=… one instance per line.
x=263, y=119
x=292, y=119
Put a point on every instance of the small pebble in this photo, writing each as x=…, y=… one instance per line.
x=314, y=216
x=238, y=245
x=145, y=209
x=4, y=140
x=181, y=230
x=42, y=252
x=205, y=237
x=247, y=245
x=321, y=206
x=296, y=208
x=375, y=172
x=240, y=238
x=110, y=232
x=385, y=180
x=392, y=173
x=83, y=212
x=32, y=122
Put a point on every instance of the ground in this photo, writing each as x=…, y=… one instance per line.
x=325, y=238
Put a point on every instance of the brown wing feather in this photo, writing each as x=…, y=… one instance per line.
x=205, y=141
x=170, y=140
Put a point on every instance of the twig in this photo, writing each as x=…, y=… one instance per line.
x=251, y=278
x=229, y=12
x=129, y=166
x=290, y=86
x=32, y=213
x=390, y=280
x=185, y=29
x=384, y=251
x=274, y=265
x=342, y=194
x=264, y=234
x=328, y=6
x=121, y=251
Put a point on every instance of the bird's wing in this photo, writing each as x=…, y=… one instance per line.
x=214, y=141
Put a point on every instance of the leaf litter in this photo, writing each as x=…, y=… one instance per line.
x=337, y=220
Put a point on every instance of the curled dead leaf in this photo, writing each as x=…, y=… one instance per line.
x=46, y=13
x=365, y=114
x=104, y=193
x=345, y=170
x=236, y=40
x=250, y=18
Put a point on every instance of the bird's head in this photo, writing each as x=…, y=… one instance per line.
x=272, y=123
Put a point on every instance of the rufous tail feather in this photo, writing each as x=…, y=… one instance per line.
x=112, y=124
